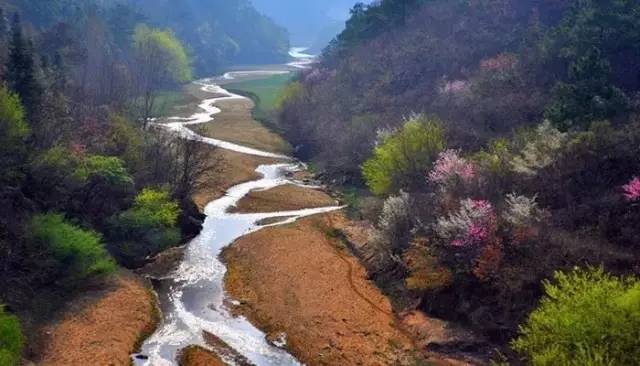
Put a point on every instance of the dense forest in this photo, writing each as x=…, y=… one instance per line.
x=500, y=144
x=215, y=33
x=87, y=185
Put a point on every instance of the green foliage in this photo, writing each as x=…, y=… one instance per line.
x=401, y=159
x=587, y=317
x=11, y=339
x=146, y=228
x=162, y=50
x=78, y=254
x=21, y=68
x=14, y=131
x=588, y=96
x=107, y=168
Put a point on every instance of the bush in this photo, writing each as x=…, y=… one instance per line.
x=587, y=317
x=145, y=229
x=13, y=132
x=402, y=158
x=77, y=254
x=11, y=339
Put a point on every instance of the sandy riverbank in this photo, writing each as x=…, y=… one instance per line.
x=105, y=327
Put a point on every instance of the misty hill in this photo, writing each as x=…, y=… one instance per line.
x=311, y=23
x=216, y=32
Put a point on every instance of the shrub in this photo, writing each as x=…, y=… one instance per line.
x=450, y=167
x=11, y=339
x=587, y=317
x=474, y=224
x=400, y=159
x=540, y=151
x=632, y=190
x=78, y=254
x=521, y=211
x=13, y=133
x=394, y=223
x=146, y=228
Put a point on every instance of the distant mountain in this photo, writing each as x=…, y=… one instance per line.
x=220, y=32
x=310, y=22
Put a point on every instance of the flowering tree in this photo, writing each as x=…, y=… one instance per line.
x=541, y=150
x=451, y=167
x=473, y=225
x=632, y=190
x=521, y=211
x=394, y=223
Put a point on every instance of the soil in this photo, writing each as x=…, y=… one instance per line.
x=198, y=356
x=106, y=329
x=284, y=198
x=237, y=168
x=298, y=280
x=235, y=124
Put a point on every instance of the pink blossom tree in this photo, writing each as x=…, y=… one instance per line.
x=632, y=190
x=451, y=167
x=473, y=225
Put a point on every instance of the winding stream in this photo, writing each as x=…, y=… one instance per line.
x=193, y=299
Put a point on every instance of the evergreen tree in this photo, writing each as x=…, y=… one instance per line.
x=21, y=72
x=4, y=27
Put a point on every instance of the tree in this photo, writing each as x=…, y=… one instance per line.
x=21, y=71
x=145, y=229
x=4, y=35
x=11, y=339
x=160, y=60
x=588, y=96
x=78, y=255
x=401, y=159
x=14, y=131
x=587, y=317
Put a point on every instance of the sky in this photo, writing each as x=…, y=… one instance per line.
x=311, y=23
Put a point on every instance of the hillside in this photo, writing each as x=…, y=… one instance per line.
x=492, y=143
x=217, y=33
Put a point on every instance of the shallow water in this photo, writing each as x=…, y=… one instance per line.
x=192, y=298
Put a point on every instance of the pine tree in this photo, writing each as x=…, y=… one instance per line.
x=21, y=73
x=4, y=27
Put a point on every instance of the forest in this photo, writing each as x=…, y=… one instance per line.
x=495, y=145
x=87, y=186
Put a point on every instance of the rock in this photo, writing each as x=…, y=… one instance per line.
x=277, y=339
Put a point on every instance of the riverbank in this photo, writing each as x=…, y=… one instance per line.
x=104, y=327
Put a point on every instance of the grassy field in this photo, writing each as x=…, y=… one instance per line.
x=265, y=92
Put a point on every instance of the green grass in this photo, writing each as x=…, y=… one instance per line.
x=167, y=101
x=264, y=92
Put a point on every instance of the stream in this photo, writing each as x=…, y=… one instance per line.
x=192, y=298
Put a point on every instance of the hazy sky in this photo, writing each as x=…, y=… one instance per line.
x=308, y=21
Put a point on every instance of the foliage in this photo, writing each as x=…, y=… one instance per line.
x=78, y=254
x=162, y=49
x=521, y=211
x=400, y=159
x=587, y=317
x=108, y=168
x=146, y=228
x=540, y=150
x=450, y=167
x=14, y=131
x=473, y=225
x=21, y=68
x=588, y=96
x=632, y=190
x=11, y=339
x=394, y=222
